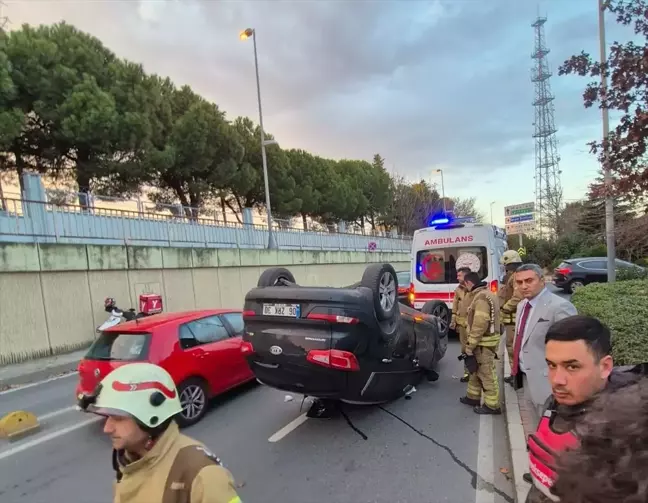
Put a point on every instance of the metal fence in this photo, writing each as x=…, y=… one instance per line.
x=36, y=221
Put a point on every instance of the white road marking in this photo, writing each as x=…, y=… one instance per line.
x=485, y=464
x=45, y=438
x=55, y=413
x=39, y=383
x=292, y=425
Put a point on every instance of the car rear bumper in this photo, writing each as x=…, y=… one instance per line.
x=308, y=379
x=560, y=281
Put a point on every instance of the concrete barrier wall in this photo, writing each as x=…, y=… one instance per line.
x=51, y=295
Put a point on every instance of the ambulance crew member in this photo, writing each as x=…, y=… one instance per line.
x=481, y=347
x=577, y=350
x=509, y=298
x=459, y=318
x=153, y=461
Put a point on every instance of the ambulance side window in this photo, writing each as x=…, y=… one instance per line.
x=440, y=266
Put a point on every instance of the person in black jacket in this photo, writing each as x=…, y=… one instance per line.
x=580, y=367
x=611, y=463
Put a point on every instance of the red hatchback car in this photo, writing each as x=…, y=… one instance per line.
x=200, y=349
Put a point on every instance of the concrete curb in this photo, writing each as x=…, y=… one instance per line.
x=39, y=374
x=516, y=437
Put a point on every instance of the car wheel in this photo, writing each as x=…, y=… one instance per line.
x=382, y=281
x=441, y=312
x=194, y=401
x=575, y=285
x=275, y=276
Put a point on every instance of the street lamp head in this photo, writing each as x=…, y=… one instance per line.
x=247, y=33
x=438, y=170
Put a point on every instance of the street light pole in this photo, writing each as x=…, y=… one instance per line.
x=491, y=211
x=607, y=175
x=272, y=244
x=442, y=190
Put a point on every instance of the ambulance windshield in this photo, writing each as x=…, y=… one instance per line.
x=439, y=266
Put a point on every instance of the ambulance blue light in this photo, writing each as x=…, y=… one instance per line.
x=438, y=221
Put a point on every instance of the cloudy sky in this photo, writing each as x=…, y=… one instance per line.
x=427, y=84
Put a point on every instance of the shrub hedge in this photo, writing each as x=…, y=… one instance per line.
x=623, y=307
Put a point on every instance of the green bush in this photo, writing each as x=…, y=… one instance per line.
x=628, y=273
x=623, y=307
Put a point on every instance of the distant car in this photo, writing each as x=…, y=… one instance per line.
x=355, y=344
x=404, y=280
x=200, y=349
x=573, y=273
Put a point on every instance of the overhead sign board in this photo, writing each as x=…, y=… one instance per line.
x=521, y=228
x=520, y=218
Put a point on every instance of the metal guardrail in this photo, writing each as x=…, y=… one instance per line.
x=36, y=221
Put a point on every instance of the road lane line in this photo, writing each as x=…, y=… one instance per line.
x=55, y=413
x=292, y=425
x=485, y=461
x=45, y=438
x=21, y=387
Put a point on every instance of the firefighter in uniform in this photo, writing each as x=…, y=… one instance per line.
x=481, y=348
x=153, y=461
x=509, y=298
x=459, y=319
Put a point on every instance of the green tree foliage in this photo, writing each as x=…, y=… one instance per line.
x=71, y=109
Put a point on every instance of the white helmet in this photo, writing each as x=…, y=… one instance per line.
x=143, y=391
x=510, y=257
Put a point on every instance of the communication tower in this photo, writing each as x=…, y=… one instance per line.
x=548, y=191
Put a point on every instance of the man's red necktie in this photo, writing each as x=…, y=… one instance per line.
x=519, y=337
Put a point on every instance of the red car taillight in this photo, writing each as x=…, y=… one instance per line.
x=248, y=314
x=334, y=359
x=564, y=270
x=333, y=318
x=246, y=348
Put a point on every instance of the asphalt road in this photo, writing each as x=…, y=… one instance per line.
x=428, y=449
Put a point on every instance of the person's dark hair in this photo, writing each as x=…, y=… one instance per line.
x=582, y=328
x=473, y=277
x=465, y=270
x=611, y=465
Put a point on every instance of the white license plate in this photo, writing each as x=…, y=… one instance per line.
x=288, y=310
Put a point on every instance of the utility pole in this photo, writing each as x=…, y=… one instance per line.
x=607, y=175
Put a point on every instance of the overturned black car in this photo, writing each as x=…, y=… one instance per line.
x=355, y=344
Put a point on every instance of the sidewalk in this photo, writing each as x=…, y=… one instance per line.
x=519, y=425
x=38, y=370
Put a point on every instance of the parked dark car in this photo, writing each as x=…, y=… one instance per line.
x=576, y=272
x=404, y=280
x=355, y=344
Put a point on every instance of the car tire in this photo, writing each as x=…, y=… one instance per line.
x=194, y=399
x=438, y=309
x=575, y=285
x=273, y=277
x=382, y=281
x=390, y=328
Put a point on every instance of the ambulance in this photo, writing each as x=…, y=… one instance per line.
x=448, y=244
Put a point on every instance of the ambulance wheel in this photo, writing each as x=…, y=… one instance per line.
x=382, y=281
x=275, y=276
x=438, y=309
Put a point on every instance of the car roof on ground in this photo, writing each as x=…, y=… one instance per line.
x=156, y=320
